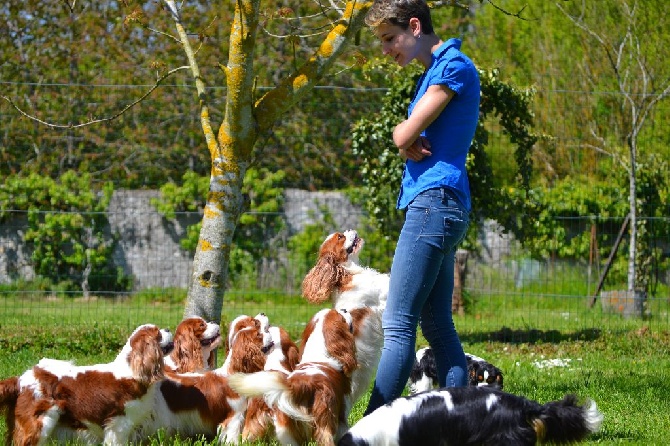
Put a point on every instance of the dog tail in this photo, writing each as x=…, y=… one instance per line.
x=273, y=386
x=265, y=383
x=565, y=421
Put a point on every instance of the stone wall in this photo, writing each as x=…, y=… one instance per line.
x=148, y=245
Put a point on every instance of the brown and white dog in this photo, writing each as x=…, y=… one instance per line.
x=261, y=421
x=194, y=343
x=311, y=401
x=203, y=404
x=60, y=401
x=248, y=343
x=337, y=276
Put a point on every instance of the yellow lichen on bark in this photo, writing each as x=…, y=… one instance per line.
x=300, y=81
x=212, y=210
x=353, y=6
x=204, y=282
x=326, y=49
x=214, y=204
x=204, y=245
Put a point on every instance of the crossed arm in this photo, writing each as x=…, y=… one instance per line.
x=407, y=135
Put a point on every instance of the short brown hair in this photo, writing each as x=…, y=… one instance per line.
x=398, y=13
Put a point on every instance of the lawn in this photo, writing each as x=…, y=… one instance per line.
x=546, y=346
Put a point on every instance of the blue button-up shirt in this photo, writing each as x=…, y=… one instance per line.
x=451, y=133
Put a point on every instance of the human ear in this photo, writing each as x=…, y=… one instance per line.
x=415, y=26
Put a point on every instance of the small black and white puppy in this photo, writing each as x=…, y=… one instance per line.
x=423, y=375
x=469, y=416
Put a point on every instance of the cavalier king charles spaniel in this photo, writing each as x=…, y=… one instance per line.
x=362, y=291
x=203, y=404
x=423, y=375
x=57, y=400
x=194, y=343
x=310, y=402
x=469, y=416
x=261, y=421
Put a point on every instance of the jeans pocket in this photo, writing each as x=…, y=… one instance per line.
x=455, y=228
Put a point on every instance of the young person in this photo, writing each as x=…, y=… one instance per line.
x=434, y=141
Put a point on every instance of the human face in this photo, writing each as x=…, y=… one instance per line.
x=397, y=43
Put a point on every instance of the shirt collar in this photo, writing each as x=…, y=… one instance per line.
x=451, y=43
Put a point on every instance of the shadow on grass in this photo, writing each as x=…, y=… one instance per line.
x=530, y=336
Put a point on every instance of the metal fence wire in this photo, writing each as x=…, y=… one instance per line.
x=505, y=291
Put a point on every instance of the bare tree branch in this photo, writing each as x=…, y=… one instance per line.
x=95, y=121
x=70, y=6
x=269, y=107
x=205, y=121
x=504, y=11
x=579, y=22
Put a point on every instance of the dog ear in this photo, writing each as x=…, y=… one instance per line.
x=246, y=354
x=146, y=357
x=292, y=353
x=499, y=377
x=211, y=361
x=292, y=357
x=320, y=281
x=340, y=343
x=187, y=352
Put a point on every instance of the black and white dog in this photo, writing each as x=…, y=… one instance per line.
x=468, y=416
x=424, y=372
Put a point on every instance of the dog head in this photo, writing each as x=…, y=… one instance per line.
x=194, y=341
x=483, y=373
x=248, y=343
x=338, y=249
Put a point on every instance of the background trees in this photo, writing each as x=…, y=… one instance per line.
x=68, y=65
x=602, y=89
x=628, y=51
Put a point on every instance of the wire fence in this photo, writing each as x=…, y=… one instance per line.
x=507, y=294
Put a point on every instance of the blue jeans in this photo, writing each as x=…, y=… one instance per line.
x=422, y=282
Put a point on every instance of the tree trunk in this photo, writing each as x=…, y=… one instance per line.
x=460, y=268
x=210, y=264
x=246, y=117
x=632, y=198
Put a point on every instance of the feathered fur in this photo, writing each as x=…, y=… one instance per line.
x=203, y=404
x=337, y=276
x=314, y=394
x=262, y=422
x=474, y=416
x=90, y=404
x=195, y=341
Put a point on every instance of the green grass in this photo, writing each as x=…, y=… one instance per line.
x=623, y=364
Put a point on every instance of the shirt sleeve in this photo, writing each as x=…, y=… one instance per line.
x=454, y=73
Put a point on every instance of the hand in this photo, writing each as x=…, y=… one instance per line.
x=419, y=149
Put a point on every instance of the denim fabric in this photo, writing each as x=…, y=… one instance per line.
x=422, y=281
